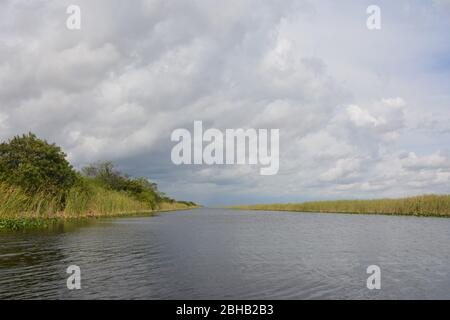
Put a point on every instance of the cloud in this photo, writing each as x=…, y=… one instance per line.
x=343, y=168
x=427, y=162
x=362, y=118
x=360, y=113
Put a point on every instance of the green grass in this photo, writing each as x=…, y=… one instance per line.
x=24, y=223
x=179, y=205
x=19, y=210
x=96, y=200
x=425, y=205
x=15, y=203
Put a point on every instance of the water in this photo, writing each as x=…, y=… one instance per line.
x=224, y=254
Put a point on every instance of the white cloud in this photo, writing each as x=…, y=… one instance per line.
x=342, y=168
x=432, y=161
x=362, y=117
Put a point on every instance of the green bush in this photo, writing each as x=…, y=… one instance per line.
x=106, y=175
x=35, y=166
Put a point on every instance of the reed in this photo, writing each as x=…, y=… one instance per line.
x=424, y=205
x=15, y=203
x=97, y=201
x=179, y=205
x=20, y=209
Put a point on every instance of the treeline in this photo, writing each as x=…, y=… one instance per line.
x=36, y=180
x=425, y=205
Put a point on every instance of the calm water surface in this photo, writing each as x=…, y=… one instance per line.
x=218, y=253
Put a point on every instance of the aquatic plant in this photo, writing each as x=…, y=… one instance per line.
x=424, y=205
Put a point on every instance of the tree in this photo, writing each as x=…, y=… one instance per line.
x=106, y=174
x=109, y=177
x=35, y=165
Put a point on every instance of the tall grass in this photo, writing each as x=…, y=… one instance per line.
x=425, y=205
x=99, y=201
x=21, y=209
x=92, y=200
x=166, y=206
x=16, y=203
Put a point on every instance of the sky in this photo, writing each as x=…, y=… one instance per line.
x=361, y=113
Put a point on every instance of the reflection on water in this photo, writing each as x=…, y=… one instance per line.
x=218, y=253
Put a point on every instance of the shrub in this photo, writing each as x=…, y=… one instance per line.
x=35, y=166
x=106, y=175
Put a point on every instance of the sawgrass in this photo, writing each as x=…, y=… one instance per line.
x=424, y=205
x=19, y=209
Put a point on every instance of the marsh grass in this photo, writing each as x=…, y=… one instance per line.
x=425, y=205
x=99, y=201
x=16, y=203
x=19, y=209
x=169, y=206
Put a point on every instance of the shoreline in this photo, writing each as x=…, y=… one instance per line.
x=416, y=206
x=341, y=212
x=32, y=223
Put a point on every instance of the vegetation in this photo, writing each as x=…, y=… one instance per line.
x=37, y=182
x=426, y=205
x=35, y=166
x=105, y=175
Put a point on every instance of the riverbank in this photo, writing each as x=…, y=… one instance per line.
x=38, y=185
x=425, y=205
x=42, y=222
x=21, y=210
